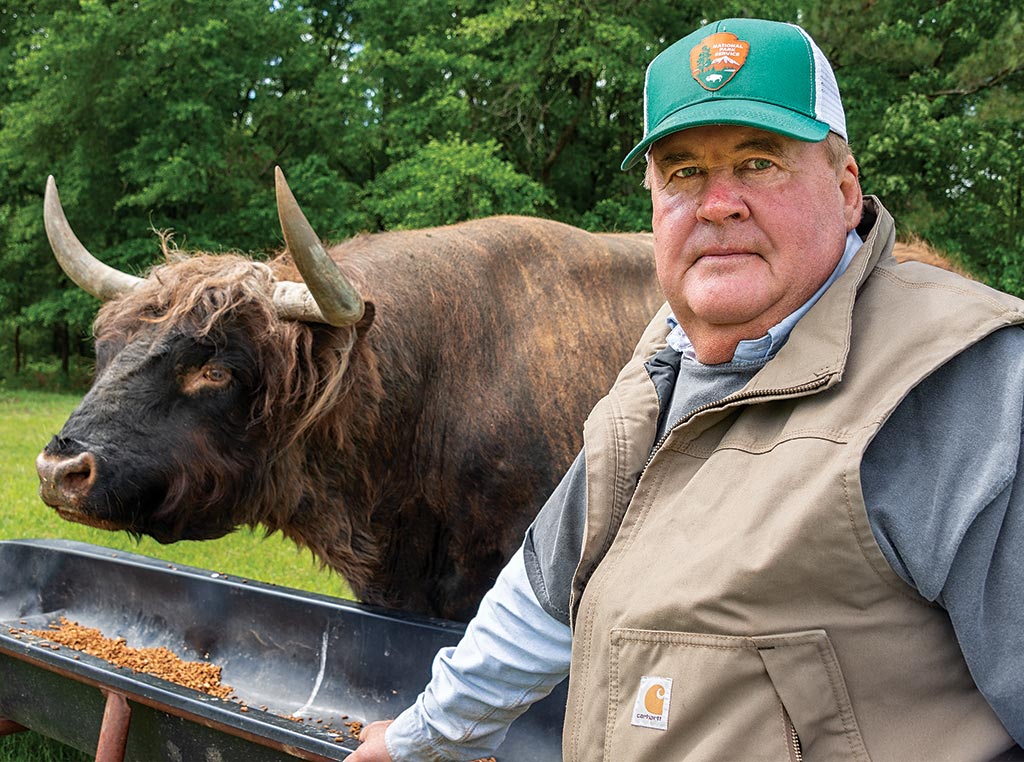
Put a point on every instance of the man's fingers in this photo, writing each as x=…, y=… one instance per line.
x=372, y=747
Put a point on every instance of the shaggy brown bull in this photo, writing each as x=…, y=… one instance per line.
x=402, y=413
x=918, y=250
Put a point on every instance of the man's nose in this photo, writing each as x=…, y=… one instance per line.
x=722, y=199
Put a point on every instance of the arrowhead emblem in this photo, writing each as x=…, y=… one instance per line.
x=716, y=59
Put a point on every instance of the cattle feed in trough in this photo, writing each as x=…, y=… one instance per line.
x=401, y=403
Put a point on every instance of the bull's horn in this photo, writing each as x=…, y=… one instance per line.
x=334, y=300
x=91, y=275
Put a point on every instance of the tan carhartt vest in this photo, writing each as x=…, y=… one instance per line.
x=735, y=595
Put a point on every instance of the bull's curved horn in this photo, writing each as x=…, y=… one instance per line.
x=91, y=275
x=334, y=298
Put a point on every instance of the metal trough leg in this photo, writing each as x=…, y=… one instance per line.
x=114, y=731
x=9, y=726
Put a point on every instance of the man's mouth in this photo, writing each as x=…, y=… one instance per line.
x=723, y=257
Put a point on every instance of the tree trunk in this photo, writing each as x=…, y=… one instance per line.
x=17, y=349
x=62, y=347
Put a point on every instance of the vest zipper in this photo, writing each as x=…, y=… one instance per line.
x=810, y=386
x=796, y=752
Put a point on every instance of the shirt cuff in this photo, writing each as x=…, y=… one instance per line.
x=512, y=654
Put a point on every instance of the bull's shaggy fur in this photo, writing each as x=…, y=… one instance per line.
x=918, y=250
x=410, y=451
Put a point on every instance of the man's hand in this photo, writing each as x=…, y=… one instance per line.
x=371, y=744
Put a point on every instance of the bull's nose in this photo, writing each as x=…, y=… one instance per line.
x=65, y=480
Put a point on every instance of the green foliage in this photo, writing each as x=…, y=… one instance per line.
x=450, y=181
x=171, y=114
x=935, y=95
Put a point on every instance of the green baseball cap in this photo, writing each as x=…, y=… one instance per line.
x=750, y=72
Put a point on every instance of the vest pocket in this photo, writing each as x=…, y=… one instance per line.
x=805, y=673
x=694, y=697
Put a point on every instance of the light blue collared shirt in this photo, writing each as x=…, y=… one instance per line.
x=759, y=350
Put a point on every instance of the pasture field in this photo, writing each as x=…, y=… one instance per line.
x=27, y=421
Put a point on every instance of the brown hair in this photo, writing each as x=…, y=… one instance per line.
x=837, y=150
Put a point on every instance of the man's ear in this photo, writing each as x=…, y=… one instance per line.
x=853, y=198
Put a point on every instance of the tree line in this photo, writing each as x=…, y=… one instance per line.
x=170, y=115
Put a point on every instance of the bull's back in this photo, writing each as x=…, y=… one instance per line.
x=541, y=311
x=524, y=324
x=501, y=277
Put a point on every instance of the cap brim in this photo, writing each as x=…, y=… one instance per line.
x=746, y=113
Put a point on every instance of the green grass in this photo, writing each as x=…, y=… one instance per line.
x=32, y=747
x=27, y=421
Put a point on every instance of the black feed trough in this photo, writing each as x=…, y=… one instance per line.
x=287, y=654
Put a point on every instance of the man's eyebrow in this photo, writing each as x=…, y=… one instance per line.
x=768, y=145
x=675, y=157
x=760, y=144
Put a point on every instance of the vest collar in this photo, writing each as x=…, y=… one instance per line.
x=815, y=355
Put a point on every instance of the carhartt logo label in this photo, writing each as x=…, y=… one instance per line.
x=650, y=710
x=716, y=59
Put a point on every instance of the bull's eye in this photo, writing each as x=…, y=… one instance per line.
x=216, y=375
x=209, y=377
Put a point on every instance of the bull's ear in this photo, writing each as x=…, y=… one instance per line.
x=366, y=320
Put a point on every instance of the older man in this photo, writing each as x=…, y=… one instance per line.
x=794, y=531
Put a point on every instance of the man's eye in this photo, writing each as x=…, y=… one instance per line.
x=687, y=172
x=761, y=163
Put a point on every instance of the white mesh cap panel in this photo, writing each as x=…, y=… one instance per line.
x=828, y=105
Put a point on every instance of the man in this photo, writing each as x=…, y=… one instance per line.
x=794, y=529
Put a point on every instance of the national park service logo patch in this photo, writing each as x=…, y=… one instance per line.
x=716, y=59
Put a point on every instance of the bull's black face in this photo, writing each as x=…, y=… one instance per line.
x=164, y=443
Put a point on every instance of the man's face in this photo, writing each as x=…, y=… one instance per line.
x=747, y=226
